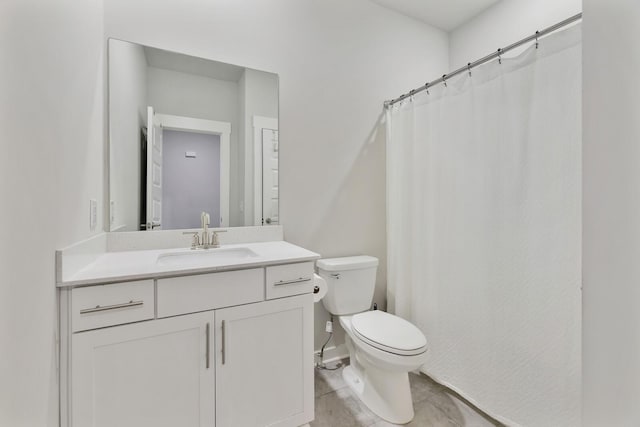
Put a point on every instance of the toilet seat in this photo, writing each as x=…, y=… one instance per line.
x=388, y=333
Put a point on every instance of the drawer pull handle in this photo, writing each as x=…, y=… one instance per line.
x=208, y=344
x=291, y=282
x=224, y=340
x=99, y=308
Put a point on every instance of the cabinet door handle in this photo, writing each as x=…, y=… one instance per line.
x=291, y=282
x=98, y=308
x=208, y=344
x=223, y=343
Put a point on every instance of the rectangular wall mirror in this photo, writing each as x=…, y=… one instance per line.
x=189, y=135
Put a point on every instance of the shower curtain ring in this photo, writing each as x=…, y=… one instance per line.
x=537, y=34
x=444, y=80
x=469, y=68
x=500, y=56
x=426, y=86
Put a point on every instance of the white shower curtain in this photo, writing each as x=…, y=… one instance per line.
x=484, y=231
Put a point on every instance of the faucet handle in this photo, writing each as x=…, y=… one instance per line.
x=214, y=238
x=196, y=239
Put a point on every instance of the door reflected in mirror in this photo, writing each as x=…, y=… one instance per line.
x=189, y=135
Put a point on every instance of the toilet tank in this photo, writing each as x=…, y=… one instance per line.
x=351, y=282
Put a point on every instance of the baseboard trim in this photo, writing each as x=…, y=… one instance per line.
x=332, y=354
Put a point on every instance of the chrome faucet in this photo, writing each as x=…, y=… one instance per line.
x=204, y=220
x=205, y=241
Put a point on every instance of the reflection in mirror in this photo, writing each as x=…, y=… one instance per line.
x=189, y=135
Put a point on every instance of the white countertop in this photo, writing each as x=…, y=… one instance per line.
x=137, y=265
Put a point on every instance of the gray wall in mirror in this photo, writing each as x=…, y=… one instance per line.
x=189, y=95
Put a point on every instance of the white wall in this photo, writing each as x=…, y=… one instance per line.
x=504, y=23
x=182, y=94
x=128, y=111
x=611, y=213
x=52, y=153
x=337, y=62
x=261, y=93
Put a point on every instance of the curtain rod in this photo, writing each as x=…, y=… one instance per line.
x=487, y=58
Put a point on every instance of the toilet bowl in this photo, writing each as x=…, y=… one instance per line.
x=383, y=348
x=378, y=372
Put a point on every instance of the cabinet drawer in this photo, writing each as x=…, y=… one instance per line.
x=108, y=305
x=291, y=279
x=190, y=294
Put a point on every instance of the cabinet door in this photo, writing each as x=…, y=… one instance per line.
x=152, y=373
x=264, y=363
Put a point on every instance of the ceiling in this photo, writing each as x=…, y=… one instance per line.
x=444, y=14
x=192, y=65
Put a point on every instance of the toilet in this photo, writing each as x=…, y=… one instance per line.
x=383, y=348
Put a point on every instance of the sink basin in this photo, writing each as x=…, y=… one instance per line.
x=204, y=257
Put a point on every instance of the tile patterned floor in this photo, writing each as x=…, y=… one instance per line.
x=434, y=405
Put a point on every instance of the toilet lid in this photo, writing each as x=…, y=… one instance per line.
x=389, y=333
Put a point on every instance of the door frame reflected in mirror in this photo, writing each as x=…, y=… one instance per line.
x=259, y=125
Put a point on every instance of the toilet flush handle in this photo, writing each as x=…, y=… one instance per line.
x=335, y=275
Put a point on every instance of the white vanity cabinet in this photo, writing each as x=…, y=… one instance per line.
x=264, y=363
x=156, y=373
x=197, y=350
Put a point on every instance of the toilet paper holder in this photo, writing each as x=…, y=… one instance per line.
x=319, y=288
